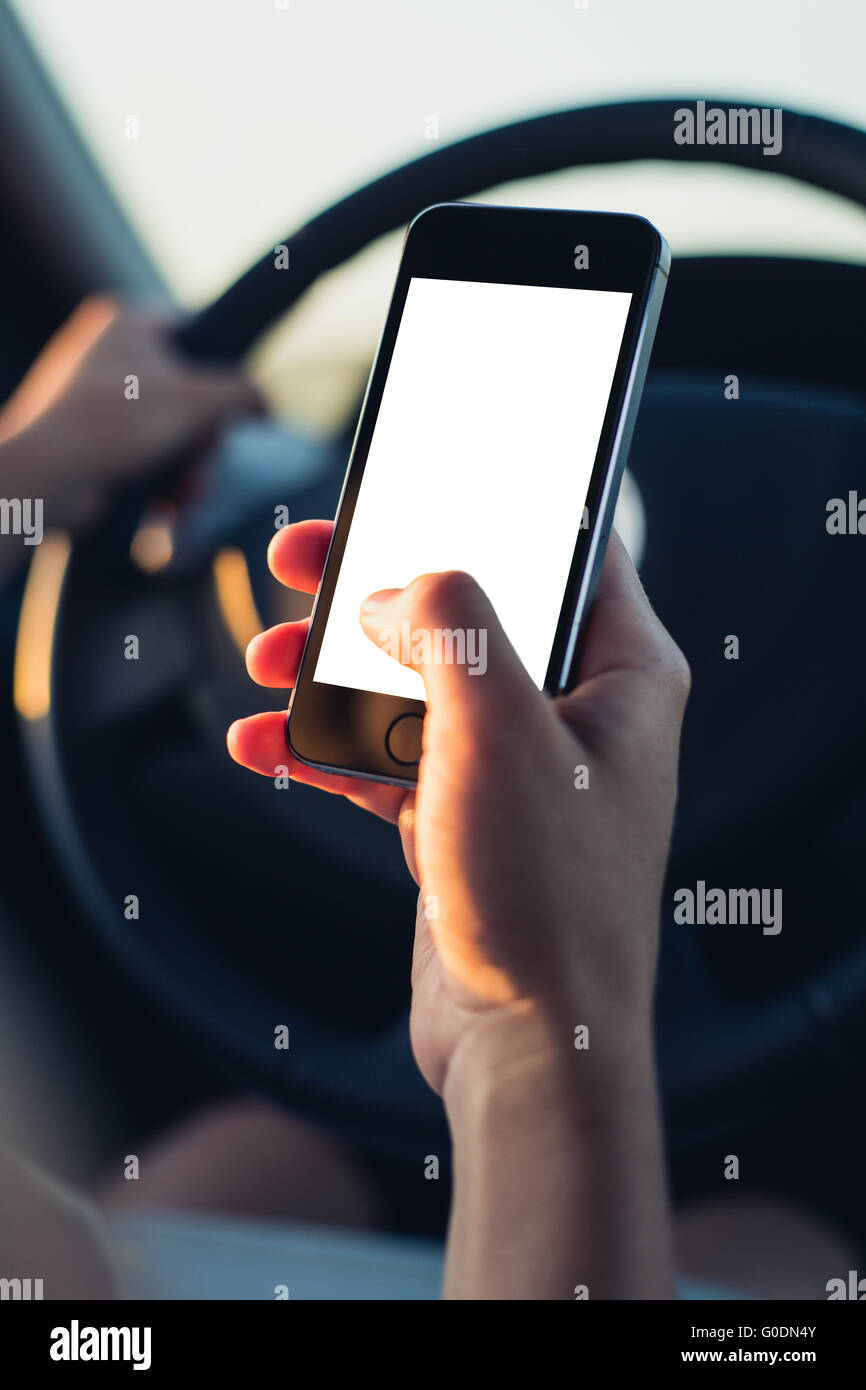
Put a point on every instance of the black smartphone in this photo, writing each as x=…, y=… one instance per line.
x=492, y=439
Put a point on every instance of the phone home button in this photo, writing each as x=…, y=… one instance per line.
x=403, y=739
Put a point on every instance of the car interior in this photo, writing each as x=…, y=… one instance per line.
x=116, y=779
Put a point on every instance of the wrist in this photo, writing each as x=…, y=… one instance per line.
x=28, y=459
x=558, y=1172
x=525, y=1058
x=17, y=463
x=42, y=461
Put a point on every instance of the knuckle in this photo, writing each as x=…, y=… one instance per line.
x=443, y=597
x=99, y=308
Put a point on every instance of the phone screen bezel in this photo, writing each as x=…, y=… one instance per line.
x=343, y=729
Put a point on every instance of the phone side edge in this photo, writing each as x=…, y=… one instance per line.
x=618, y=459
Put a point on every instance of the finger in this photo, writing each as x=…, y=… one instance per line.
x=444, y=627
x=273, y=657
x=259, y=743
x=406, y=826
x=93, y=315
x=296, y=554
x=218, y=393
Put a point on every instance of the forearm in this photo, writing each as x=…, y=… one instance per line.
x=551, y=1195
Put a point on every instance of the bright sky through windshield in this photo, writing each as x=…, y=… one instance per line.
x=252, y=114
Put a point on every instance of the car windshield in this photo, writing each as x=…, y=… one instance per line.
x=220, y=125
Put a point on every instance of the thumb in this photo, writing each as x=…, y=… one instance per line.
x=631, y=670
x=443, y=626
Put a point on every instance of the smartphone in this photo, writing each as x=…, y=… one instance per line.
x=492, y=439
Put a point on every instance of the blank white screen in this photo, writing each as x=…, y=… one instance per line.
x=480, y=460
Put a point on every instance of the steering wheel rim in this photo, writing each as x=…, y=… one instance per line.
x=817, y=151
x=823, y=153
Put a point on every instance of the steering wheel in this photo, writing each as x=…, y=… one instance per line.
x=245, y=907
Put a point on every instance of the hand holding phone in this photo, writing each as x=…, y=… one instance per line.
x=539, y=829
x=537, y=917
